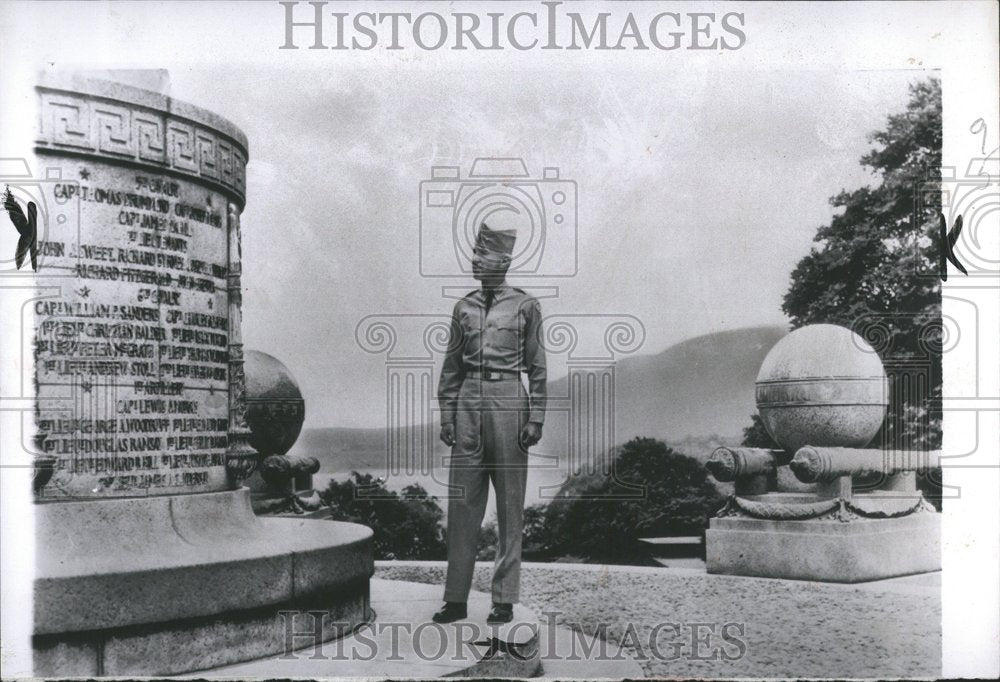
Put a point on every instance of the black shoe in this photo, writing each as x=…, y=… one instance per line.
x=450, y=612
x=501, y=613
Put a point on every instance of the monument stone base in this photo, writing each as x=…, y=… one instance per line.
x=170, y=584
x=828, y=550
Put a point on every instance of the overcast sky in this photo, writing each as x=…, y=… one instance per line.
x=698, y=193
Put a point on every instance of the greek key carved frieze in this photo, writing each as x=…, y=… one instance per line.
x=120, y=130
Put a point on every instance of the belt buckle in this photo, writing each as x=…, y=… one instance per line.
x=491, y=375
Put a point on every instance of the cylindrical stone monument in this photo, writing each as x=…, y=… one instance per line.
x=133, y=339
x=149, y=558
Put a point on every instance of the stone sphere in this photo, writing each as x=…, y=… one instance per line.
x=822, y=385
x=275, y=408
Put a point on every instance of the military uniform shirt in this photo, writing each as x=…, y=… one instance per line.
x=507, y=337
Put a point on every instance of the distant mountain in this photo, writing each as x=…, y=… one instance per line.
x=695, y=395
x=699, y=389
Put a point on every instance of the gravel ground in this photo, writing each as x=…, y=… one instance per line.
x=791, y=629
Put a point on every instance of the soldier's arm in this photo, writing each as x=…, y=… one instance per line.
x=534, y=361
x=452, y=371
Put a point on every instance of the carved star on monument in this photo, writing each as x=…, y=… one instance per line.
x=84, y=292
x=85, y=174
x=86, y=386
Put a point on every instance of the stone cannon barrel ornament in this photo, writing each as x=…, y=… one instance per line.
x=277, y=469
x=812, y=464
x=728, y=464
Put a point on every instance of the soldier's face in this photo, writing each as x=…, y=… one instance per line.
x=488, y=265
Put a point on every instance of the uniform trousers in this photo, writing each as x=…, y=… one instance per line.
x=489, y=419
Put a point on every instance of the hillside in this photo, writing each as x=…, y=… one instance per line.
x=694, y=390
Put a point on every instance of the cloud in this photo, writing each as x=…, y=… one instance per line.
x=699, y=191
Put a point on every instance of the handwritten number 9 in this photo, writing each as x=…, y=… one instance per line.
x=979, y=126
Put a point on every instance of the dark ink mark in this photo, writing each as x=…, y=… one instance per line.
x=44, y=467
x=26, y=227
x=948, y=240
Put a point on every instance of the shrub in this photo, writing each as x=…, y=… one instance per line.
x=536, y=540
x=487, y=542
x=406, y=525
x=654, y=492
x=756, y=435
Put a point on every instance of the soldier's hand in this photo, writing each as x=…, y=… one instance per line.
x=531, y=434
x=448, y=434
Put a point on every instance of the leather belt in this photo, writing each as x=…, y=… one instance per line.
x=493, y=374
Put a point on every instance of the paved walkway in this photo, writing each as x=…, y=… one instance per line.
x=404, y=643
x=687, y=623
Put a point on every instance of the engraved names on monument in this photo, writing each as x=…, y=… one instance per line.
x=132, y=350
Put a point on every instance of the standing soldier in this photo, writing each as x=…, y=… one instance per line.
x=490, y=421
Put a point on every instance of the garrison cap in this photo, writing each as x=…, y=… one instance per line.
x=495, y=234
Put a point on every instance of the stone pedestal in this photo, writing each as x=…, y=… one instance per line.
x=163, y=585
x=827, y=550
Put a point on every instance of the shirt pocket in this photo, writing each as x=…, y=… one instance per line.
x=508, y=337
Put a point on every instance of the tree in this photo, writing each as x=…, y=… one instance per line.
x=585, y=521
x=487, y=542
x=536, y=538
x=874, y=268
x=756, y=435
x=406, y=526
